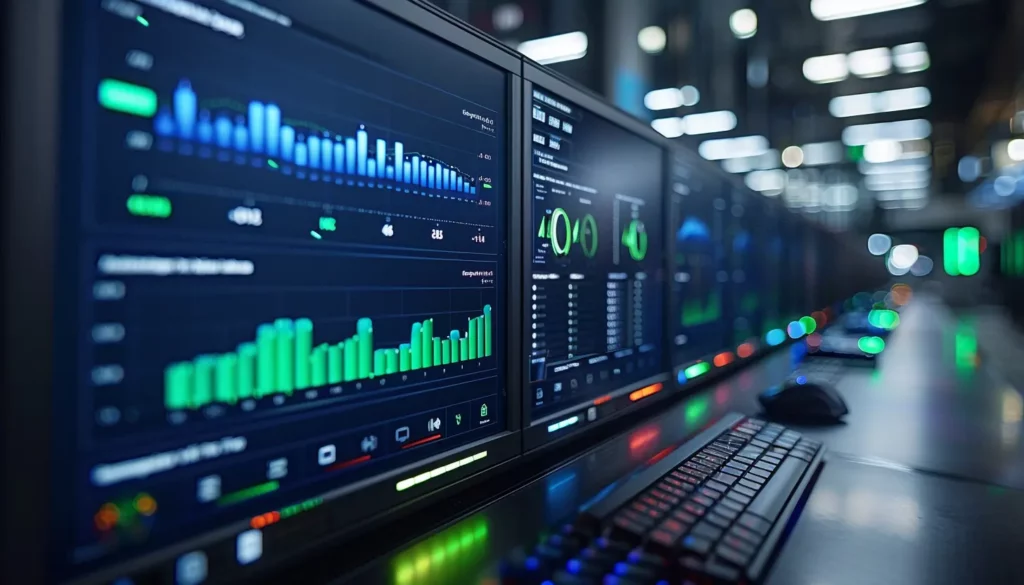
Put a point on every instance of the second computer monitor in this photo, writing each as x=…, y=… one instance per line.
x=594, y=260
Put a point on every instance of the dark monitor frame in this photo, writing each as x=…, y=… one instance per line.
x=536, y=436
x=33, y=107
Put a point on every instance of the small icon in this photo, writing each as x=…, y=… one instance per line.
x=540, y=393
x=433, y=424
x=592, y=413
x=458, y=419
x=590, y=378
x=402, y=434
x=483, y=411
x=327, y=455
x=208, y=488
x=277, y=468
x=328, y=224
x=249, y=547
x=388, y=230
x=558, y=386
x=191, y=568
x=368, y=444
x=573, y=383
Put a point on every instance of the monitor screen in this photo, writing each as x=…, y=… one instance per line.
x=772, y=255
x=593, y=298
x=794, y=287
x=283, y=260
x=700, y=311
x=745, y=241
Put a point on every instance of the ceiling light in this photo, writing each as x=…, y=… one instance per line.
x=1015, y=149
x=900, y=166
x=826, y=69
x=724, y=148
x=837, y=9
x=669, y=127
x=691, y=97
x=556, y=49
x=664, y=99
x=903, y=256
x=883, y=151
x=765, y=162
x=793, y=157
x=743, y=23
x=822, y=153
x=911, y=57
x=773, y=181
x=651, y=39
x=870, y=62
x=903, y=130
x=865, y=104
x=879, y=244
x=709, y=122
x=507, y=17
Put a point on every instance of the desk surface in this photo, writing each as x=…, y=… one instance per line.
x=910, y=493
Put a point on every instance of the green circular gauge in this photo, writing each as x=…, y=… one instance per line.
x=560, y=243
x=635, y=240
x=588, y=236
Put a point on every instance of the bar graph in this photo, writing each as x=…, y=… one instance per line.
x=698, y=312
x=282, y=359
x=259, y=134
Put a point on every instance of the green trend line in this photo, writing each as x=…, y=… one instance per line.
x=248, y=493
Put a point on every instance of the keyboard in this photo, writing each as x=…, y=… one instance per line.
x=713, y=510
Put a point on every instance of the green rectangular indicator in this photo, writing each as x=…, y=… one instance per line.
x=149, y=205
x=248, y=493
x=128, y=98
x=696, y=370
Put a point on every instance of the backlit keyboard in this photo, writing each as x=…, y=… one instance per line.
x=712, y=511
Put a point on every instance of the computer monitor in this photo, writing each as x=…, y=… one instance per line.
x=594, y=260
x=794, y=269
x=699, y=316
x=281, y=279
x=744, y=239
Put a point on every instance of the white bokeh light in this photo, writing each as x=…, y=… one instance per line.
x=651, y=39
x=903, y=256
x=879, y=244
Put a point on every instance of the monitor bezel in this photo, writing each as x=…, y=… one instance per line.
x=535, y=435
x=30, y=228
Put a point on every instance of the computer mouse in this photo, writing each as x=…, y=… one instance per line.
x=803, y=399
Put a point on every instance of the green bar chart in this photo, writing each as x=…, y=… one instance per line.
x=286, y=357
x=697, y=312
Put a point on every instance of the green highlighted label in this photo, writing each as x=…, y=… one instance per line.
x=328, y=224
x=149, y=205
x=128, y=98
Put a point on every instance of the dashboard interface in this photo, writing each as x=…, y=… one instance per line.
x=284, y=257
x=593, y=298
x=701, y=260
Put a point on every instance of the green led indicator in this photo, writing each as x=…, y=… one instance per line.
x=487, y=185
x=149, y=206
x=969, y=250
x=248, y=493
x=139, y=19
x=328, y=224
x=871, y=345
x=271, y=163
x=855, y=153
x=315, y=235
x=128, y=98
x=696, y=370
x=809, y=324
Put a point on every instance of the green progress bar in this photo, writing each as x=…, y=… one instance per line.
x=487, y=185
x=248, y=493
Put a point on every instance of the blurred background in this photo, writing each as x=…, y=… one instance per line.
x=901, y=118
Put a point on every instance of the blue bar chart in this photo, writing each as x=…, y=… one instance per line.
x=260, y=135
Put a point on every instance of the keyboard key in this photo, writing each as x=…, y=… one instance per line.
x=754, y=478
x=712, y=459
x=643, y=558
x=634, y=572
x=733, y=504
x=772, y=460
x=703, y=500
x=737, y=497
x=773, y=496
x=693, y=464
x=760, y=443
x=737, y=465
x=693, y=508
x=724, y=478
x=707, y=530
x=732, y=556
x=684, y=517
x=732, y=471
x=710, y=493
x=746, y=535
x=666, y=498
x=716, y=452
x=750, y=485
x=718, y=570
x=697, y=545
x=778, y=452
x=765, y=466
x=760, y=473
x=754, y=524
x=718, y=520
x=739, y=489
x=726, y=512
x=738, y=545
x=744, y=460
x=625, y=529
x=717, y=486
